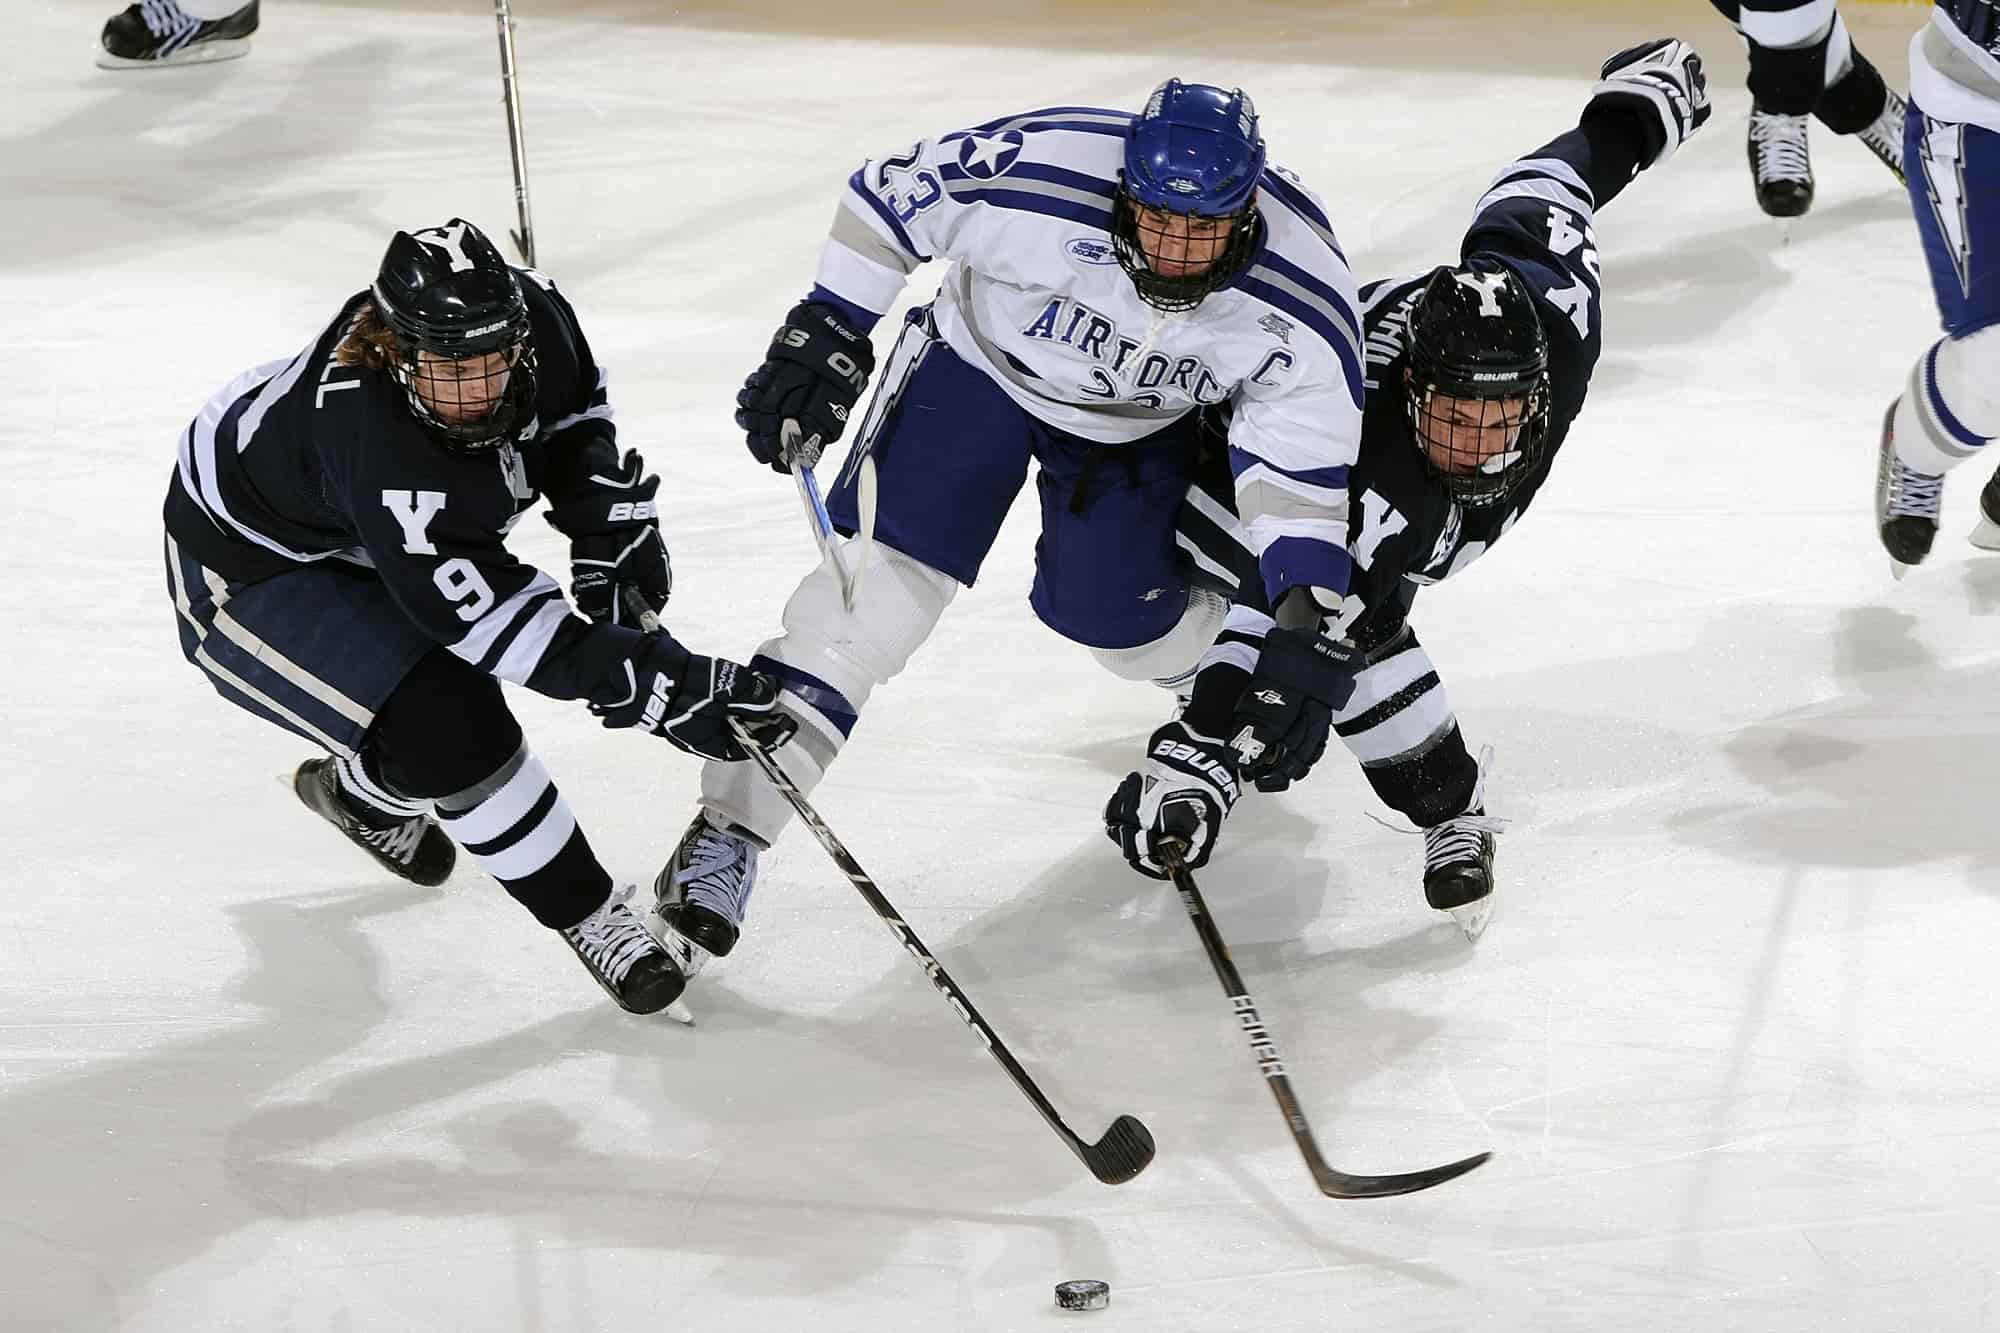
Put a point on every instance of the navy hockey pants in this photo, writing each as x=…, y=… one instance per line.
x=951, y=452
x=1954, y=179
x=317, y=650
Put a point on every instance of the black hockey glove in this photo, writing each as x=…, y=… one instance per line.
x=1286, y=711
x=687, y=698
x=615, y=545
x=1661, y=81
x=814, y=372
x=1183, y=794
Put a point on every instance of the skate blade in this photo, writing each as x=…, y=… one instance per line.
x=688, y=956
x=206, y=53
x=1898, y=570
x=1987, y=535
x=1473, y=918
x=680, y=1013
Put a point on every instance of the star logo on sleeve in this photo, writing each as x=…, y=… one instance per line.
x=985, y=156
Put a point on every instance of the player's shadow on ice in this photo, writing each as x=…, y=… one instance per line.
x=1682, y=291
x=873, y=1119
x=113, y=1173
x=1897, y=771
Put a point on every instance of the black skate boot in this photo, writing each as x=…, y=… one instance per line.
x=1458, y=869
x=701, y=896
x=158, y=32
x=1987, y=535
x=624, y=957
x=1884, y=135
x=415, y=849
x=1458, y=859
x=1906, y=503
x=1780, y=163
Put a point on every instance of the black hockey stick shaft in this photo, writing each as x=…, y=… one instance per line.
x=1127, y=1146
x=517, y=144
x=1334, y=1184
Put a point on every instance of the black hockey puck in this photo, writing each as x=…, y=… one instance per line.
x=1088, y=1294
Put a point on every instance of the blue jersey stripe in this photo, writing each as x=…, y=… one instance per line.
x=1292, y=562
x=1334, y=478
x=1038, y=203
x=1330, y=333
x=1317, y=286
x=1297, y=200
x=1041, y=115
x=856, y=317
x=856, y=184
x=1033, y=126
x=1037, y=171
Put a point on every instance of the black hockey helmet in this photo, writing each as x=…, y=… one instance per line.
x=1475, y=336
x=447, y=292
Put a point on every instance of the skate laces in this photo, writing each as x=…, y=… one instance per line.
x=611, y=939
x=1913, y=493
x=1780, y=142
x=1884, y=134
x=398, y=840
x=164, y=18
x=716, y=874
x=1462, y=838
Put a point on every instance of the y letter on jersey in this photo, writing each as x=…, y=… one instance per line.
x=1380, y=521
x=414, y=510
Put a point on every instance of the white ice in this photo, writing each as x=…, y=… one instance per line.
x=1730, y=1036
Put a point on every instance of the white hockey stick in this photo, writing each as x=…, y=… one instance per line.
x=802, y=454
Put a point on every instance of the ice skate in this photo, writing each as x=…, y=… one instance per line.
x=1458, y=859
x=1458, y=869
x=1906, y=504
x=158, y=32
x=624, y=958
x=1884, y=135
x=701, y=896
x=1987, y=535
x=1780, y=164
x=415, y=849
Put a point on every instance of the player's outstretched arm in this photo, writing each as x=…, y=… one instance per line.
x=1661, y=82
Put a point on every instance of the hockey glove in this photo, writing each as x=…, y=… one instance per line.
x=1661, y=81
x=615, y=544
x=815, y=370
x=668, y=691
x=1286, y=711
x=1183, y=794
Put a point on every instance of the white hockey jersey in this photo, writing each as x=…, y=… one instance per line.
x=1955, y=64
x=1035, y=297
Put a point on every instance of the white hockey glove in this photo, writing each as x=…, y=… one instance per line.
x=1183, y=794
x=1663, y=83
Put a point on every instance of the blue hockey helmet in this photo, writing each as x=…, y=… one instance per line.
x=1194, y=149
x=1193, y=153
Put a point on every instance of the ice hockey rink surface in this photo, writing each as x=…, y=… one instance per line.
x=1730, y=1036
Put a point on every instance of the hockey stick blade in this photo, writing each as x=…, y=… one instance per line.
x=1340, y=1185
x=1333, y=1184
x=1126, y=1148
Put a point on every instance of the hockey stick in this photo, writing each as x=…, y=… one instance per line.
x=802, y=454
x=524, y=239
x=1127, y=1146
x=1334, y=1184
